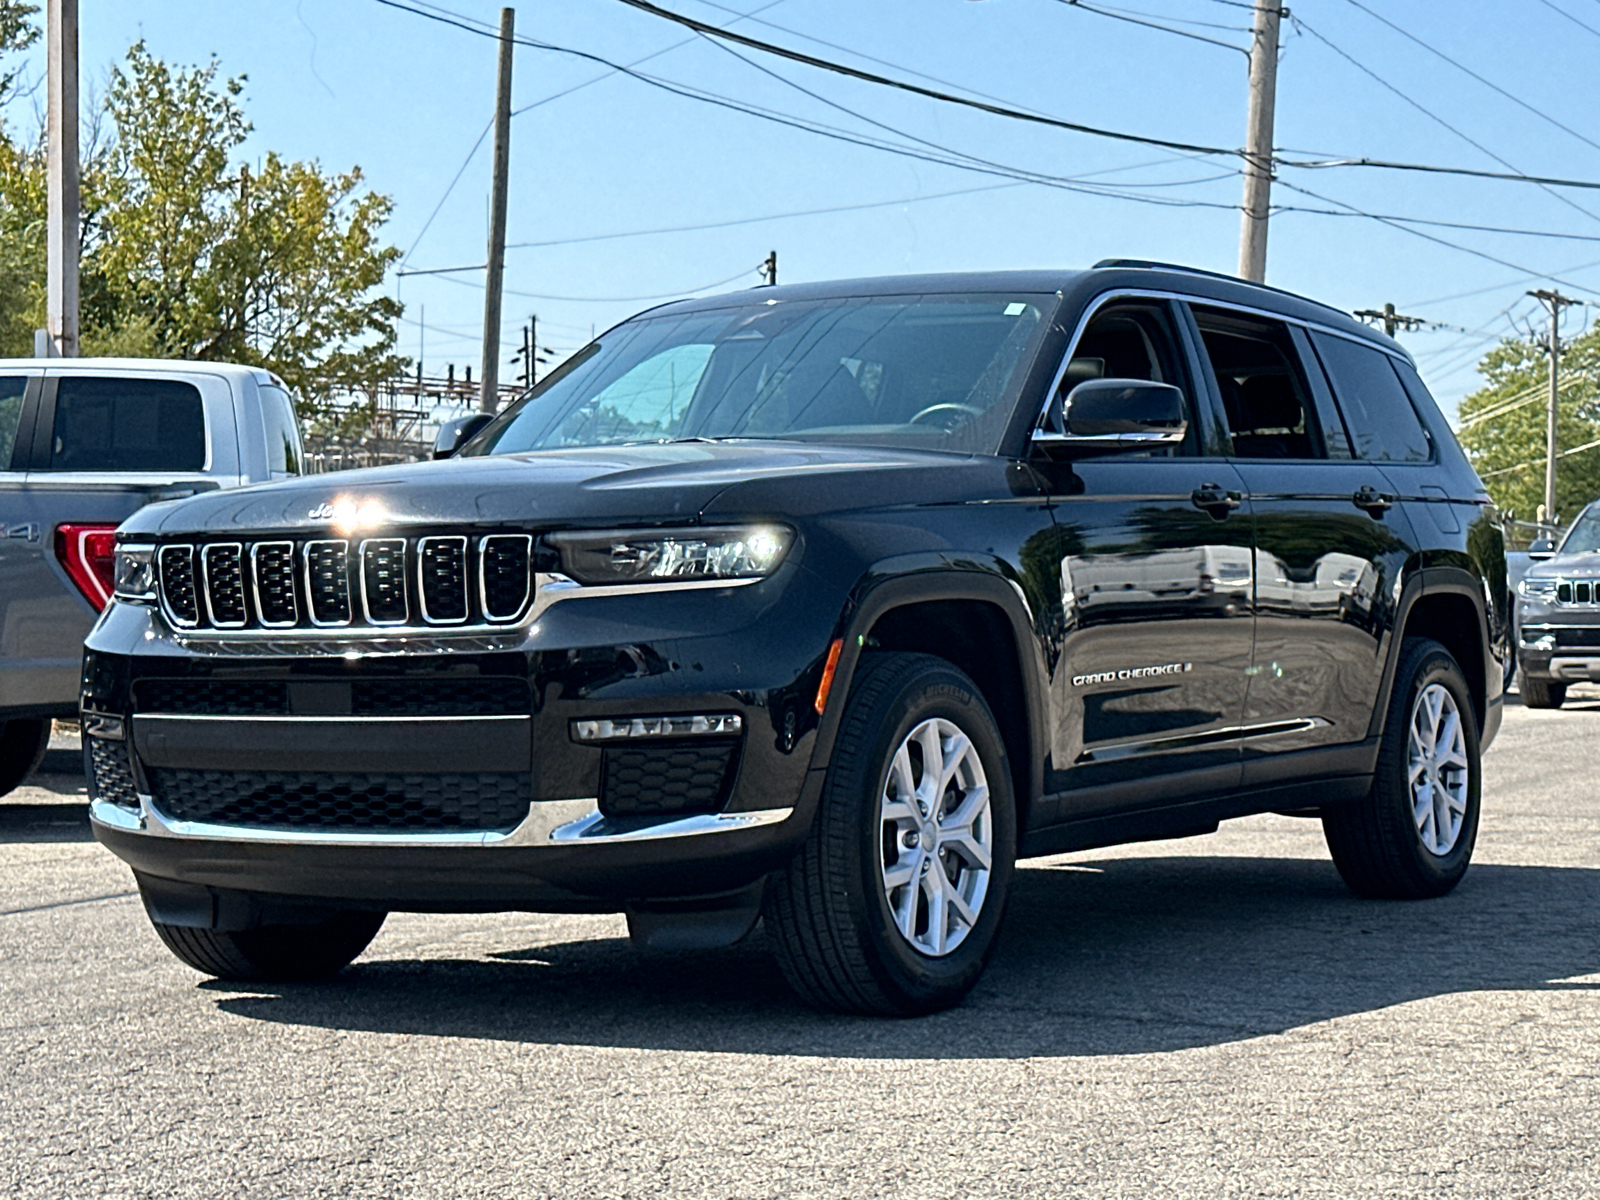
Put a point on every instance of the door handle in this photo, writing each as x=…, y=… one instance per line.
x=1216, y=500
x=1372, y=500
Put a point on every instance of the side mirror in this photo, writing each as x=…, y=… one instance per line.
x=456, y=433
x=1110, y=416
x=1541, y=549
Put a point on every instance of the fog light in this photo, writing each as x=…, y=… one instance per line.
x=616, y=729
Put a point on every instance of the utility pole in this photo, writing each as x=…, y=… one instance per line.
x=1553, y=302
x=1258, y=142
x=1393, y=322
x=533, y=349
x=769, y=269
x=489, y=387
x=59, y=338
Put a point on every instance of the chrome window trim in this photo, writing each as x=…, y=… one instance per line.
x=1113, y=294
x=161, y=586
x=548, y=823
x=205, y=575
x=422, y=591
x=255, y=588
x=529, y=590
x=311, y=606
x=361, y=571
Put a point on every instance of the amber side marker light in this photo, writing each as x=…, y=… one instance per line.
x=828, y=668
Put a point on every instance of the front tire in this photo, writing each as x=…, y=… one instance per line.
x=22, y=747
x=1542, y=693
x=1411, y=836
x=275, y=953
x=893, y=904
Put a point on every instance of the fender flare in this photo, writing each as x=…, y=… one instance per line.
x=1434, y=581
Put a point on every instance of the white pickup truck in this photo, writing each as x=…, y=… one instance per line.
x=84, y=443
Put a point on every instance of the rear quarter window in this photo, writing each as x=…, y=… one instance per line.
x=281, y=429
x=11, y=390
x=1378, y=413
x=127, y=425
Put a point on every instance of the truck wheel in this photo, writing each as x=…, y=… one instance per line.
x=1542, y=693
x=893, y=903
x=1411, y=836
x=22, y=747
x=275, y=953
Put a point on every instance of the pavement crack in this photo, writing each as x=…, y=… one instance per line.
x=17, y=912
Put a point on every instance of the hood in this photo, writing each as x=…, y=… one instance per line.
x=1567, y=566
x=666, y=483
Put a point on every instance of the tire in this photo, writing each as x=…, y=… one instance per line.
x=22, y=747
x=1542, y=693
x=1381, y=847
x=829, y=913
x=275, y=953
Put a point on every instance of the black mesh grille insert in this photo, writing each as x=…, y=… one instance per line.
x=296, y=800
x=328, y=582
x=218, y=697
x=113, y=774
x=505, y=560
x=443, y=569
x=1578, y=636
x=438, y=697
x=275, y=598
x=177, y=583
x=383, y=571
x=223, y=567
x=675, y=778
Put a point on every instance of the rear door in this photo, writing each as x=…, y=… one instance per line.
x=1154, y=559
x=1329, y=545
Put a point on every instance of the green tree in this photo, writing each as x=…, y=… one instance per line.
x=189, y=253
x=1502, y=426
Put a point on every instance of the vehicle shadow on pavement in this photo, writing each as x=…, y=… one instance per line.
x=1122, y=956
x=44, y=823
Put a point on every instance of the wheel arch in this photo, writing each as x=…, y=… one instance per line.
x=1447, y=605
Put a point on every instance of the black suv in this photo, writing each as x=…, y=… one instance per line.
x=823, y=604
x=1558, y=614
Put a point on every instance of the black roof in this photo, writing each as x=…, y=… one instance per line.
x=1108, y=273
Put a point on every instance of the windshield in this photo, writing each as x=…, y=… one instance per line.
x=934, y=372
x=1584, y=536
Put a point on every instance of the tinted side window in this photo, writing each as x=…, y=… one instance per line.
x=1261, y=380
x=282, y=431
x=1376, y=410
x=1132, y=341
x=11, y=389
x=127, y=425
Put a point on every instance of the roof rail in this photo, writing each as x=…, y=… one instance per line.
x=1147, y=264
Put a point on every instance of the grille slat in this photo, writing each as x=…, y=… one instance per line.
x=426, y=581
x=222, y=568
x=113, y=773
x=328, y=582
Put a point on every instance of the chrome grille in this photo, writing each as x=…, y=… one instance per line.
x=176, y=565
x=1578, y=591
x=383, y=580
x=222, y=567
x=330, y=583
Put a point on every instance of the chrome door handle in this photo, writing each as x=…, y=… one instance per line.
x=1216, y=500
x=1372, y=500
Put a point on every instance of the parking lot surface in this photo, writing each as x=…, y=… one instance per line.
x=1210, y=1017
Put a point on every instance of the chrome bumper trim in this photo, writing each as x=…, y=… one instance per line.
x=549, y=822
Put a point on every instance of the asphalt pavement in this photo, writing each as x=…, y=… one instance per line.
x=1209, y=1017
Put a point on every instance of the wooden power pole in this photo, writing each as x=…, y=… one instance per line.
x=1554, y=302
x=1258, y=142
x=59, y=338
x=1393, y=322
x=488, y=395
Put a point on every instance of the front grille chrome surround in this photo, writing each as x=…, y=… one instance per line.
x=328, y=582
x=442, y=579
x=179, y=601
x=272, y=584
x=383, y=581
x=222, y=570
x=505, y=576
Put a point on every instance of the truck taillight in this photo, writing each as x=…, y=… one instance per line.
x=86, y=551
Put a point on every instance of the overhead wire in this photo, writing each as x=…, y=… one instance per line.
x=1570, y=17
x=1128, y=16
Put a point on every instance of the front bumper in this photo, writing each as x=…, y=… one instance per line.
x=1563, y=651
x=754, y=653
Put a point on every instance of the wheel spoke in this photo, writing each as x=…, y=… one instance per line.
x=899, y=873
x=958, y=902
x=905, y=916
x=933, y=886
x=964, y=843
x=974, y=802
x=950, y=762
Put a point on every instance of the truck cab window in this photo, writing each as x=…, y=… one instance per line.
x=11, y=389
x=109, y=424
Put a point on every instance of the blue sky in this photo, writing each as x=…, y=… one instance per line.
x=354, y=82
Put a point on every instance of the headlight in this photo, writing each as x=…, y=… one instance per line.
x=646, y=556
x=1537, y=589
x=133, y=574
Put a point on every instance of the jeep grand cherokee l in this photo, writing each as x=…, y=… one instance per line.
x=824, y=604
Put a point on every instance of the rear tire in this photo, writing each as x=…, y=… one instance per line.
x=275, y=953
x=1411, y=836
x=893, y=904
x=1542, y=693
x=22, y=747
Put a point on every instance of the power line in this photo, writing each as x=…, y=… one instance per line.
x=1128, y=16
x=1570, y=17
x=1540, y=233
x=674, y=295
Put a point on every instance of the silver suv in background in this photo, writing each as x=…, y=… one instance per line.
x=1558, y=613
x=84, y=443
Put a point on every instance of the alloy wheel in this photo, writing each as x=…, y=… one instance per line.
x=1437, y=771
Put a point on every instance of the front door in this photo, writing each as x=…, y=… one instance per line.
x=1154, y=560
